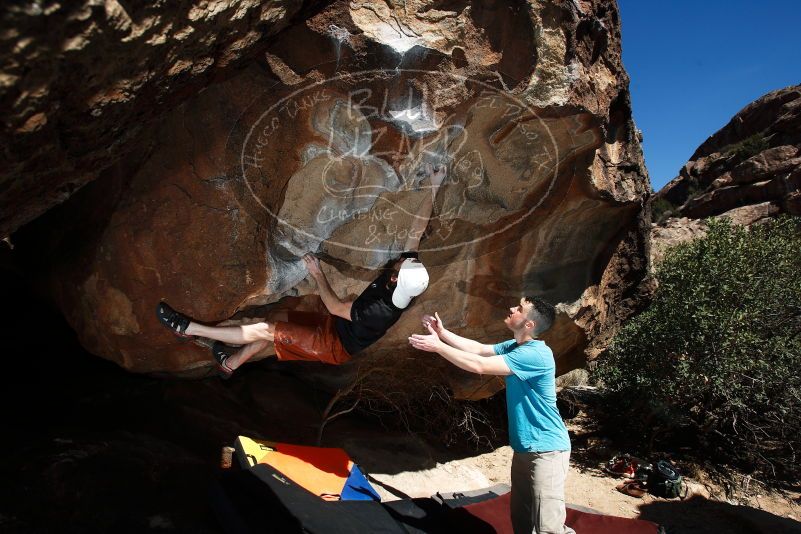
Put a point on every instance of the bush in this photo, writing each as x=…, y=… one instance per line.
x=750, y=146
x=661, y=209
x=714, y=361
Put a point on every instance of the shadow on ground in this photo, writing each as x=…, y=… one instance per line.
x=92, y=448
x=698, y=515
x=592, y=447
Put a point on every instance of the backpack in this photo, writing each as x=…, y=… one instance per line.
x=664, y=480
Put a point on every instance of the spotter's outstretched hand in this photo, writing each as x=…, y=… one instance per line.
x=434, y=322
x=427, y=343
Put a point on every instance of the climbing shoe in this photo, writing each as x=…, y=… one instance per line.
x=177, y=322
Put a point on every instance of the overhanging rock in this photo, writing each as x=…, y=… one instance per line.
x=319, y=145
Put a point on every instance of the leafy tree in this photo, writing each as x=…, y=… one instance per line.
x=717, y=355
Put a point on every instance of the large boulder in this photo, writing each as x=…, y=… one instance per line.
x=319, y=144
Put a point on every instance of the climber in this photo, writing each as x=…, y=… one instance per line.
x=334, y=337
x=537, y=434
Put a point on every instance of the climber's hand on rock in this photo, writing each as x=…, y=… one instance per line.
x=313, y=265
x=436, y=175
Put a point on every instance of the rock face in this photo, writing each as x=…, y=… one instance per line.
x=751, y=165
x=319, y=144
x=672, y=232
x=83, y=83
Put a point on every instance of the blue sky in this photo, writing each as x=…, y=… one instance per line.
x=693, y=65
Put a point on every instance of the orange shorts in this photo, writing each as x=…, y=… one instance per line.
x=309, y=336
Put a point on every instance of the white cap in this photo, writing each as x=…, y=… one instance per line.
x=412, y=281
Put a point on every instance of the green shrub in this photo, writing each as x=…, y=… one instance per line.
x=715, y=361
x=661, y=209
x=750, y=146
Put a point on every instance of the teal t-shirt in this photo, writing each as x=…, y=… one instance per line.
x=534, y=421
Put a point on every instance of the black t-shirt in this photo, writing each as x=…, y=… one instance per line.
x=372, y=314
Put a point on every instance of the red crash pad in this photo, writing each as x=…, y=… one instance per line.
x=495, y=512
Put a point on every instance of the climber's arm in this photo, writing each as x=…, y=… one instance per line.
x=333, y=303
x=423, y=215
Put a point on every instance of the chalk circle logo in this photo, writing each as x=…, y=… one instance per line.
x=374, y=141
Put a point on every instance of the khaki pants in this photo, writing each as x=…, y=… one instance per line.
x=538, y=492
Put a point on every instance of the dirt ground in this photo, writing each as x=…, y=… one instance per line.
x=705, y=510
x=708, y=508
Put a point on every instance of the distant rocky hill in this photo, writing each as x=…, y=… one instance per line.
x=751, y=165
x=749, y=170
